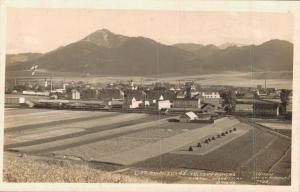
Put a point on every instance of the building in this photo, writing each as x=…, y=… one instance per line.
x=180, y=94
x=188, y=117
x=75, y=94
x=266, y=108
x=262, y=92
x=209, y=108
x=89, y=94
x=154, y=96
x=135, y=103
x=244, y=108
x=210, y=95
x=187, y=103
x=137, y=94
x=163, y=104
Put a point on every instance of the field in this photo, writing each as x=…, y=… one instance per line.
x=36, y=169
x=128, y=143
x=282, y=127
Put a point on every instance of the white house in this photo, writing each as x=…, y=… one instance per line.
x=163, y=104
x=135, y=103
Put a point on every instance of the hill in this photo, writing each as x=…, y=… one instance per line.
x=106, y=53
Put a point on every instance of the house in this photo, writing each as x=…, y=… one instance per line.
x=163, y=104
x=133, y=104
x=155, y=95
x=75, y=94
x=210, y=95
x=188, y=117
x=187, y=103
x=180, y=94
x=169, y=95
x=209, y=108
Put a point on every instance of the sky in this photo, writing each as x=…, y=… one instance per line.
x=44, y=29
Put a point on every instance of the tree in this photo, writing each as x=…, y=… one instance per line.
x=284, y=98
x=228, y=101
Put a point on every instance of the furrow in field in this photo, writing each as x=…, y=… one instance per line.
x=68, y=129
x=46, y=117
x=166, y=145
x=85, y=139
x=55, y=135
x=25, y=129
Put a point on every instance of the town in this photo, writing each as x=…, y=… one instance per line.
x=157, y=98
x=152, y=126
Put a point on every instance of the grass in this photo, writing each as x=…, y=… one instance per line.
x=227, y=158
x=34, y=169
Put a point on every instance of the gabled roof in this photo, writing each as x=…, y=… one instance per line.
x=137, y=94
x=191, y=115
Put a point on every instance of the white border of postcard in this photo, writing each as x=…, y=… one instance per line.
x=187, y=5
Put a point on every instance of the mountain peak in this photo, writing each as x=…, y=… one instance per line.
x=105, y=38
x=104, y=31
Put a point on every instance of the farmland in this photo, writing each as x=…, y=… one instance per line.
x=130, y=143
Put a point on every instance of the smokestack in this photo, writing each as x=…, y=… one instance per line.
x=265, y=83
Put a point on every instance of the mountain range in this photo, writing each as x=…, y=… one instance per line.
x=106, y=53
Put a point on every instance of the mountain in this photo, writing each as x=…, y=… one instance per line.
x=226, y=45
x=105, y=38
x=106, y=53
x=14, y=59
x=274, y=55
x=191, y=47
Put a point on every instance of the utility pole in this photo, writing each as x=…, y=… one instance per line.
x=50, y=82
